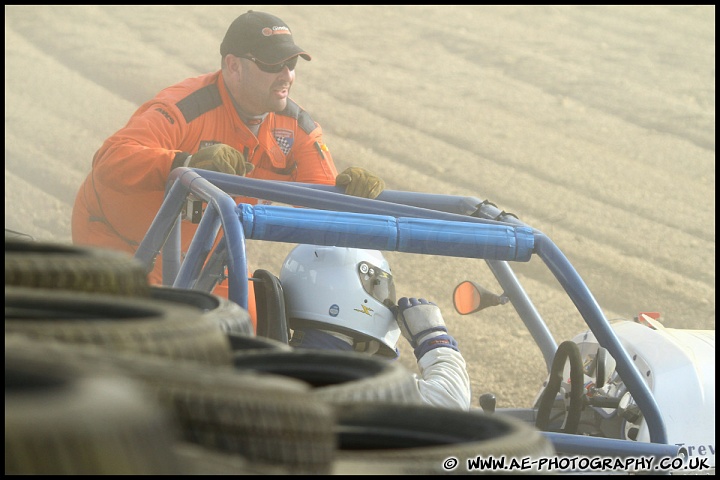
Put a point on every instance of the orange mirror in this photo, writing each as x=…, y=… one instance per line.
x=469, y=298
x=466, y=298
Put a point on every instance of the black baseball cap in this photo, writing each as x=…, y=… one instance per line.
x=263, y=36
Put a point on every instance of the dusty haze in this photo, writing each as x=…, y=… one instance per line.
x=593, y=124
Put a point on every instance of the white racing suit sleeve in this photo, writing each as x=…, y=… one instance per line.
x=443, y=379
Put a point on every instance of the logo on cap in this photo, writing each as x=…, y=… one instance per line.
x=267, y=31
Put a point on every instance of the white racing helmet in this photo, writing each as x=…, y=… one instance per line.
x=344, y=290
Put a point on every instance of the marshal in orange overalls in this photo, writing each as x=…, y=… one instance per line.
x=123, y=192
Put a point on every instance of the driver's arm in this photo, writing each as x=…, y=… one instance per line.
x=444, y=381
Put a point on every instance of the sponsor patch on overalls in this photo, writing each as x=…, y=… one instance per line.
x=284, y=139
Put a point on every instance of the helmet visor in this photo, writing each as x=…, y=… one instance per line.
x=377, y=283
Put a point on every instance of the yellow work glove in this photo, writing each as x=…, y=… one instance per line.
x=360, y=183
x=220, y=158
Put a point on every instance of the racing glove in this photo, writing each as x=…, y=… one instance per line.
x=422, y=324
x=220, y=158
x=360, y=183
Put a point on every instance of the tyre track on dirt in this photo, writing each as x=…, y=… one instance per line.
x=133, y=79
x=609, y=213
x=548, y=64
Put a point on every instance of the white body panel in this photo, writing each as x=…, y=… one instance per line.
x=679, y=368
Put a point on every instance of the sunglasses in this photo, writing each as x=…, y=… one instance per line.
x=277, y=68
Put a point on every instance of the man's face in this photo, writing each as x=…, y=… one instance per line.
x=258, y=91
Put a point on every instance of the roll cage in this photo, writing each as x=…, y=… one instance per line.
x=434, y=224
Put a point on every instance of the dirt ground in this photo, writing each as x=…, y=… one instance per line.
x=593, y=124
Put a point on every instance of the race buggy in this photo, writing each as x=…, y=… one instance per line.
x=632, y=388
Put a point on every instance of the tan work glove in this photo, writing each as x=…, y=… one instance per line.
x=220, y=158
x=360, y=183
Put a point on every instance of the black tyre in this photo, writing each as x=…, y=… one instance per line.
x=64, y=420
x=337, y=376
x=261, y=421
x=15, y=235
x=199, y=460
x=243, y=343
x=70, y=267
x=228, y=315
x=116, y=322
x=395, y=439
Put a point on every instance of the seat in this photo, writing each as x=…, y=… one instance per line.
x=270, y=306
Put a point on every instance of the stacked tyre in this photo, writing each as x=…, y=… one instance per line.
x=86, y=294
x=382, y=425
x=65, y=419
x=91, y=310
x=106, y=374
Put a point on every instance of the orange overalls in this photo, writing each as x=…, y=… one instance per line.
x=123, y=192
